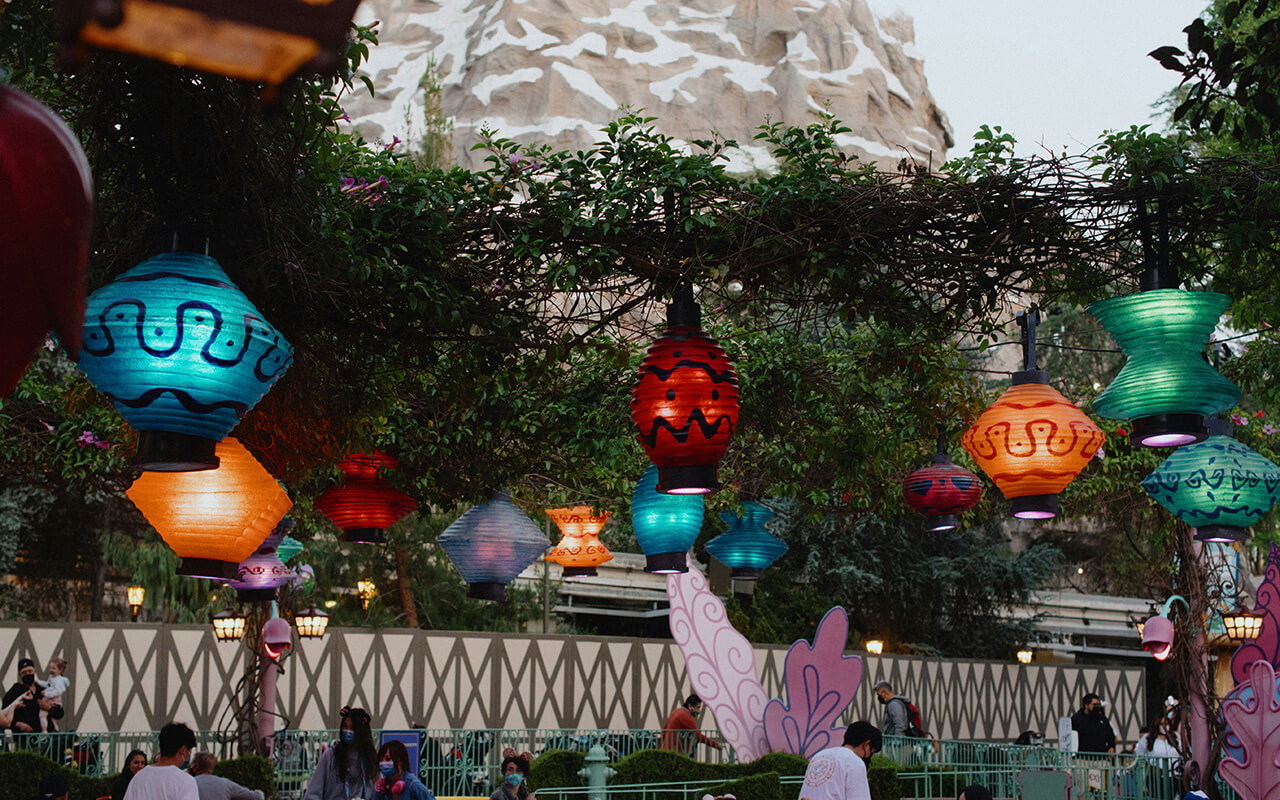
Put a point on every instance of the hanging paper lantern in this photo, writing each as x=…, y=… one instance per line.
x=1032, y=442
x=182, y=354
x=288, y=548
x=685, y=402
x=665, y=525
x=213, y=519
x=1166, y=388
x=47, y=219
x=580, y=550
x=492, y=543
x=941, y=491
x=747, y=547
x=262, y=573
x=1219, y=486
x=365, y=505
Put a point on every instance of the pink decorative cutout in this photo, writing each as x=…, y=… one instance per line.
x=720, y=661
x=1267, y=646
x=820, y=681
x=1253, y=725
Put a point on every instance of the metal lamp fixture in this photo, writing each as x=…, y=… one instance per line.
x=229, y=626
x=136, y=594
x=1032, y=441
x=213, y=519
x=746, y=547
x=492, y=543
x=182, y=354
x=874, y=646
x=665, y=525
x=366, y=590
x=1219, y=486
x=941, y=491
x=1025, y=656
x=1242, y=625
x=580, y=550
x=264, y=41
x=1157, y=630
x=311, y=623
x=685, y=401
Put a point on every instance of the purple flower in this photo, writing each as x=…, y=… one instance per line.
x=343, y=116
x=1269, y=429
x=395, y=140
x=48, y=343
x=47, y=426
x=1239, y=420
x=91, y=438
x=1101, y=453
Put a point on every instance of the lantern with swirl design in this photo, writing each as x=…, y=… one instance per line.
x=580, y=550
x=746, y=547
x=685, y=401
x=365, y=505
x=1032, y=441
x=262, y=573
x=941, y=491
x=182, y=354
x=213, y=519
x=1219, y=486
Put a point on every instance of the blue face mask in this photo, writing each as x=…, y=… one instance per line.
x=388, y=768
x=349, y=737
x=514, y=778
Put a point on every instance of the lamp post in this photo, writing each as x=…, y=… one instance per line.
x=137, y=594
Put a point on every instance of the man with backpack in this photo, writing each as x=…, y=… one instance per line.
x=901, y=717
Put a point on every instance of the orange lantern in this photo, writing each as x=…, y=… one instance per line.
x=579, y=551
x=1032, y=441
x=216, y=518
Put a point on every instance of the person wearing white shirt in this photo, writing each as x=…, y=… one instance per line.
x=840, y=773
x=166, y=779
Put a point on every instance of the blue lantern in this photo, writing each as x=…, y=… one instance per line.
x=747, y=547
x=492, y=543
x=1219, y=486
x=665, y=525
x=182, y=354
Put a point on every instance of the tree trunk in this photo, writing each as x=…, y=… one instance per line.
x=406, y=592
x=100, y=574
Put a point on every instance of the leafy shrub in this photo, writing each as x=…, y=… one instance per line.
x=556, y=768
x=251, y=772
x=762, y=786
x=664, y=766
x=22, y=771
x=882, y=776
x=782, y=763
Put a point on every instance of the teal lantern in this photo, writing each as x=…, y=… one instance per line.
x=1166, y=388
x=1219, y=486
x=288, y=548
x=182, y=354
x=665, y=525
x=747, y=547
x=492, y=543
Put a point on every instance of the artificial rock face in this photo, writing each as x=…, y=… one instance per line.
x=556, y=71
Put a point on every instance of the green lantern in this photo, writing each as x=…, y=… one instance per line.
x=1219, y=486
x=1166, y=388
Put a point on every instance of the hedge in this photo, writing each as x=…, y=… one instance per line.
x=556, y=768
x=764, y=786
x=251, y=772
x=882, y=777
x=22, y=771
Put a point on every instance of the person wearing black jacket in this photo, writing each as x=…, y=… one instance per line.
x=1096, y=733
x=26, y=717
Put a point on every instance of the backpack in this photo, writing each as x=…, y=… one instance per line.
x=915, y=724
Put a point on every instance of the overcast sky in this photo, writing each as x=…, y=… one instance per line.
x=1048, y=72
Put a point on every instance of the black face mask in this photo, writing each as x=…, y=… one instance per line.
x=27, y=680
x=881, y=700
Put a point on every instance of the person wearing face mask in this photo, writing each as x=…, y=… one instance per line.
x=26, y=715
x=396, y=780
x=680, y=732
x=840, y=773
x=167, y=779
x=348, y=769
x=1096, y=733
x=515, y=772
x=133, y=764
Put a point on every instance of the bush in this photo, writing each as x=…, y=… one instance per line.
x=762, y=786
x=664, y=766
x=250, y=771
x=782, y=763
x=22, y=771
x=556, y=768
x=882, y=776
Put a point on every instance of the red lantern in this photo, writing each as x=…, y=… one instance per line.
x=365, y=505
x=942, y=491
x=47, y=217
x=685, y=402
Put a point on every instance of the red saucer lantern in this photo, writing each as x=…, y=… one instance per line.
x=365, y=505
x=941, y=491
x=685, y=401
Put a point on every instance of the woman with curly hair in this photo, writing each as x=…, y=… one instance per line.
x=346, y=770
